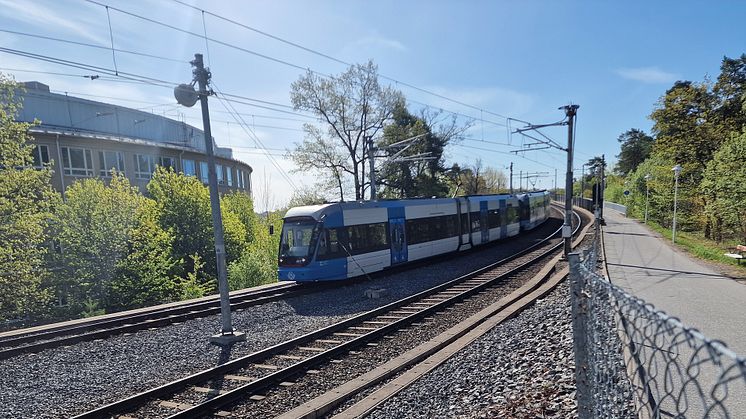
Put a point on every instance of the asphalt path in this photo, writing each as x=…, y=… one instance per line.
x=647, y=266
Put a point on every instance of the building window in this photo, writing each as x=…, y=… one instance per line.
x=77, y=161
x=144, y=166
x=108, y=160
x=167, y=162
x=239, y=178
x=229, y=176
x=219, y=172
x=203, y=173
x=189, y=168
x=41, y=156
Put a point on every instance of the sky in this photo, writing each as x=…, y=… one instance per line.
x=485, y=62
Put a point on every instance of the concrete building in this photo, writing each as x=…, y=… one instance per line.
x=84, y=138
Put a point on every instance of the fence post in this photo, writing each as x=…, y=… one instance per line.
x=580, y=314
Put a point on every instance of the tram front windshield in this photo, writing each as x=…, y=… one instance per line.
x=298, y=242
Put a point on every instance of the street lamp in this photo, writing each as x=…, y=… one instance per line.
x=647, y=195
x=676, y=170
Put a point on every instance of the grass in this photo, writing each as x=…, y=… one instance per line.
x=698, y=246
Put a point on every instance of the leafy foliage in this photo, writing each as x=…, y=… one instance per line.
x=636, y=147
x=417, y=167
x=725, y=184
x=148, y=274
x=183, y=208
x=94, y=227
x=354, y=107
x=27, y=202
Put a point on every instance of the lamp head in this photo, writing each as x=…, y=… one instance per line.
x=676, y=170
x=185, y=95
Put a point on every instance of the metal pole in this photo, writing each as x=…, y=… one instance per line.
x=675, y=198
x=511, y=178
x=520, y=181
x=227, y=335
x=570, y=111
x=603, y=188
x=555, y=183
x=372, y=169
x=582, y=181
x=580, y=313
x=647, y=196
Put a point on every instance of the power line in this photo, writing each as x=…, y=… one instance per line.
x=321, y=54
x=86, y=44
x=89, y=67
x=287, y=63
x=249, y=132
x=505, y=153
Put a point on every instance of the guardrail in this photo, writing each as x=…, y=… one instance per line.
x=635, y=361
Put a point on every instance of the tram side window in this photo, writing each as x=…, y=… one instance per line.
x=493, y=218
x=464, y=223
x=512, y=215
x=365, y=238
x=422, y=230
x=331, y=245
x=475, y=226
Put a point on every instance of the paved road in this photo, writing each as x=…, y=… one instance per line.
x=648, y=267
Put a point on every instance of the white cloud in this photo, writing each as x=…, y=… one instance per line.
x=647, y=75
x=46, y=17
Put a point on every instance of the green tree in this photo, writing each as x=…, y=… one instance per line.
x=183, y=208
x=148, y=275
x=354, y=107
x=27, y=201
x=477, y=179
x=724, y=184
x=686, y=134
x=242, y=206
x=730, y=95
x=94, y=229
x=304, y=197
x=635, y=148
x=258, y=264
x=417, y=168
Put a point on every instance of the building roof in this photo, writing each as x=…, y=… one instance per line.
x=61, y=113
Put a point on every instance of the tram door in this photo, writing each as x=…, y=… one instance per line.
x=398, y=240
x=483, y=221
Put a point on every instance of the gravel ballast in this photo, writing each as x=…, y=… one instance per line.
x=67, y=381
x=522, y=368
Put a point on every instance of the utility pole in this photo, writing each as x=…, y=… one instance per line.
x=555, y=183
x=511, y=178
x=202, y=77
x=582, y=182
x=520, y=181
x=372, y=157
x=570, y=112
x=601, y=190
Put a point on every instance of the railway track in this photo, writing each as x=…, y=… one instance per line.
x=251, y=376
x=38, y=339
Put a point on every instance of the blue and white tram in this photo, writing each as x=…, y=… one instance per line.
x=534, y=207
x=343, y=240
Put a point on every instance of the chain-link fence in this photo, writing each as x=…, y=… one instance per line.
x=635, y=361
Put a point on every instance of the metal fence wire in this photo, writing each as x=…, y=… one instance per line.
x=635, y=361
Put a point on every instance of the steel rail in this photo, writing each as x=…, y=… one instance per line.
x=103, y=328
x=136, y=401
